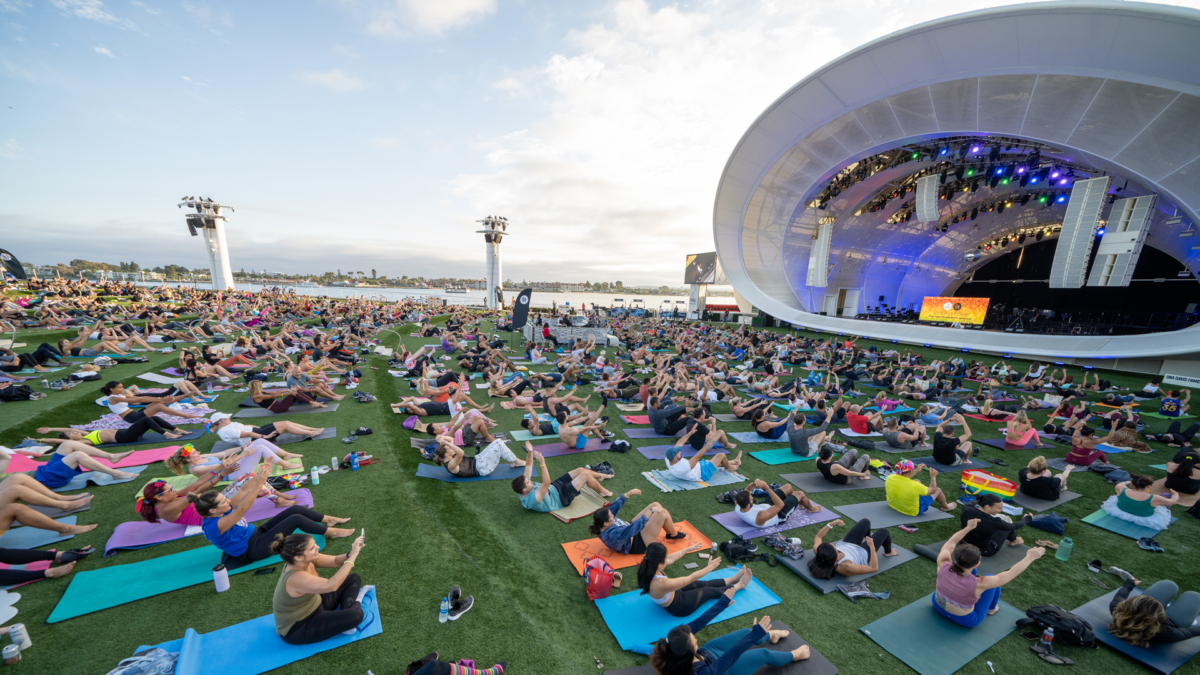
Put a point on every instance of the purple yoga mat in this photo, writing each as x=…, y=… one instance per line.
x=140, y=534
x=560, y=448
x=798, y=518
x=660, y=451
x=174, y=372
x=648, y=433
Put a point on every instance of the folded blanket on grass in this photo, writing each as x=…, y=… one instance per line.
x=666, y=482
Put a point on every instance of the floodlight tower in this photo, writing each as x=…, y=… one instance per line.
x=494, y=229
x=209, y=219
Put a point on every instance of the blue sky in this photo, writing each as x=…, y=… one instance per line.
x=360, y=134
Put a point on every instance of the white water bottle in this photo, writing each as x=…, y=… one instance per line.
x=444, y=612
x=316, y=476
x=221, y=578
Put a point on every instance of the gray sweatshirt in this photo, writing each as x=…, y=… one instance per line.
x=798, y=438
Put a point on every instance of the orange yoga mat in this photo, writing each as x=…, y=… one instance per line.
x=577, y=551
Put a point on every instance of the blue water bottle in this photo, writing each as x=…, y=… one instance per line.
x=354, y=461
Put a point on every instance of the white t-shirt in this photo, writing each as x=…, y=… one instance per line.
x=751, y=515
x=232, y=433
x=683, y=471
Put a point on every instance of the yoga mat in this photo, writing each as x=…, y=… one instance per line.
x=1004, y=559
x=524, y=435
x=80, y=481
x=294, y=410
x=282, y=439
x=816, y=664
x=983, y=418
x=650, y=433
x=942, y=468
x=882, y=515
x=161, y=379
x=813, y=482
x=1158, y=415
x=577, y=551
x=931, y=644
x=742, y=437
x=779, y=456
x=1035, y=504
x=635, y=419
x=855, y=434
x=827, y=586
x=587, y=503
x=660, y=451
x=728, y=417
x=20, y=462
x=630, y=407
x=32, y=537
x=1122, y=527
x=1160, y=488
x=54, y=512
x=882, y=446
x=666, y=482
x=252, y=647
x=560, y=448
x=797, y=518
x=1161, y=658
x=94, y=590
x=155, y=437
x=1005, y=445
x=636, y=621
x=893, y=411
x=502, y=472
x=37, y=566
x=140, y=534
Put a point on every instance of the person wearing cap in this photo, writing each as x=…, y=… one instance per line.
x=680, y=653
x=910, y=497
x=784, y=500
x=556, y=494
x=697, y=468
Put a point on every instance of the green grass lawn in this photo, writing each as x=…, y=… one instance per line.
x=531, y=608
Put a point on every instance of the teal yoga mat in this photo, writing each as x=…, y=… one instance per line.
x=779, y=456
x=1122, y=527
x=635, y=621
x=524, y=435
x=931, y=644
x=252, y=647
x=107, y=587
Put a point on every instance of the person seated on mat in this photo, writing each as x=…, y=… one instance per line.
x=229, y=431
x=71, y=457
x=696, y=468
x=119, y=402
x=991, y=531
x=1174, y=406
x=189, y=460
x=909, y=497
x=907, y=436
x=242, y=544
x=665, y=418
x=553, y=495
x=784, y=500
x=1135, y=503
x=1083, y=447
x=1019, y=431
x=24, y=556
x=483, y=463
x=636, y=536
x=1124, y=435
x=281, y=401
x=1038, y=481
x=309, y=608
x=160, y=501
x=574, y=430
x=852, y=555
x=949, y=449
x=1183, y=475
x=851, y=465
x=771, y=429
x=1154, y=617
x=681, y=654
x=1150, y=390
x=684, y=595
x=962, y=595
x=807, y=441
x=864, y=421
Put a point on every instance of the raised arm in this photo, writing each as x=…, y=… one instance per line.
x=947, y=551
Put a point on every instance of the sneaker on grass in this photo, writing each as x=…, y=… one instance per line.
x=461, y=607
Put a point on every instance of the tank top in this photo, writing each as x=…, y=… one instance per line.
x=94, y=438
x=1134, y=507
x=188, y=516
x=956, y=590
x=466, y=468
x=118, y=408
x=666, y=599
x=826, y=469
x=751, y=515
x=855, y=554
x=288, y=610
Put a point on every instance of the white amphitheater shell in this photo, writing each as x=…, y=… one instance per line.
x=1113, y=85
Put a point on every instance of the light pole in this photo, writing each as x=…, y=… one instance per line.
x=208, y=218
x=494, y=230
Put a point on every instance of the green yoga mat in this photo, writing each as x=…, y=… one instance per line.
x=1160, y=467
x=1160, y=416
x=524, y=435
x=780, y=456
x=180, y=482
x=107, y=587
x=1122, y=527
x=36, y=372
x=931, y=644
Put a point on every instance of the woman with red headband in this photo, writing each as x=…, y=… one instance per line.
x=160, y=501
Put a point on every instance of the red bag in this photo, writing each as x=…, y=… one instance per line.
x=599, y=577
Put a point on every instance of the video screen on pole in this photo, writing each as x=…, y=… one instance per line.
x=701, y=269
x=962, y=310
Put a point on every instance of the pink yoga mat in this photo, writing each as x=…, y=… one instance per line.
x=30, y=567
x=636, y=419
x=21, y=462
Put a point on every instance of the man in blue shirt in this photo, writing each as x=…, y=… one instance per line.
x=1173, y=406
x=551, y=496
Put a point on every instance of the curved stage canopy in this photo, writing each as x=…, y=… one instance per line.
x=992, y=100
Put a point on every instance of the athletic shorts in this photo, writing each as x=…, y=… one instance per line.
x=566, y=490
x=265, y=430
x=707, y=469
x=925, y=501
x=580, y=442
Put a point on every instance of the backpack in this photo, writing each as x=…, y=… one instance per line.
x=739, y=550
x=1068, y=629
x=619, y=446
x=598, y=575
x=862, y=443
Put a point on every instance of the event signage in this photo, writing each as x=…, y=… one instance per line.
x=954, y=310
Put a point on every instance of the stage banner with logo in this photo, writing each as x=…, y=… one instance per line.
x=10, y=265
x=961, y=310
x=521, y=309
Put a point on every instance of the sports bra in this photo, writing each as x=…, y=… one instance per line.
x=117, y=408
x=94, y=438
x=666, y=599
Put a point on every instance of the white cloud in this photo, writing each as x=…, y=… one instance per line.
x=13, y=5
x=145, y=8
x=104, y=51
x=191, y=81
x=395, y=17
x=207, y=15
x=342, y=50
x=511, y=85
x=334, y=80
x=9, y=149
x=92, y=10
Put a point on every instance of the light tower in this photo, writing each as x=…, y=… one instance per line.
x=494, y=229
x=209, y=220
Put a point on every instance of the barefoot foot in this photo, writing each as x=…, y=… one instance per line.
x=801, y=653
x=55, y=572
x=79, y=529
x=777, y=635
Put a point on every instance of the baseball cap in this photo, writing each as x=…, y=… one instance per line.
x=673, y=452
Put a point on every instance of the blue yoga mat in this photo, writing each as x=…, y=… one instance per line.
x=252, y=647
x=81, y=480
x=158, y=439
x=503, y=472
x=32, y=537
x=750, y=437
x=636, y=622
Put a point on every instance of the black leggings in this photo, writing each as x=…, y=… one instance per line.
x=135, y=416
x=859, y=534
x=139, y=429
x=676, y=425
x=689, y=598
x=338, y=612
x=16, y=556
x=287, y=521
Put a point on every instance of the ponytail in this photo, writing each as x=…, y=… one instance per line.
x=599, y=520
x=656, y=555
x=964, y=558
x=290, y=547
x=204, y=503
